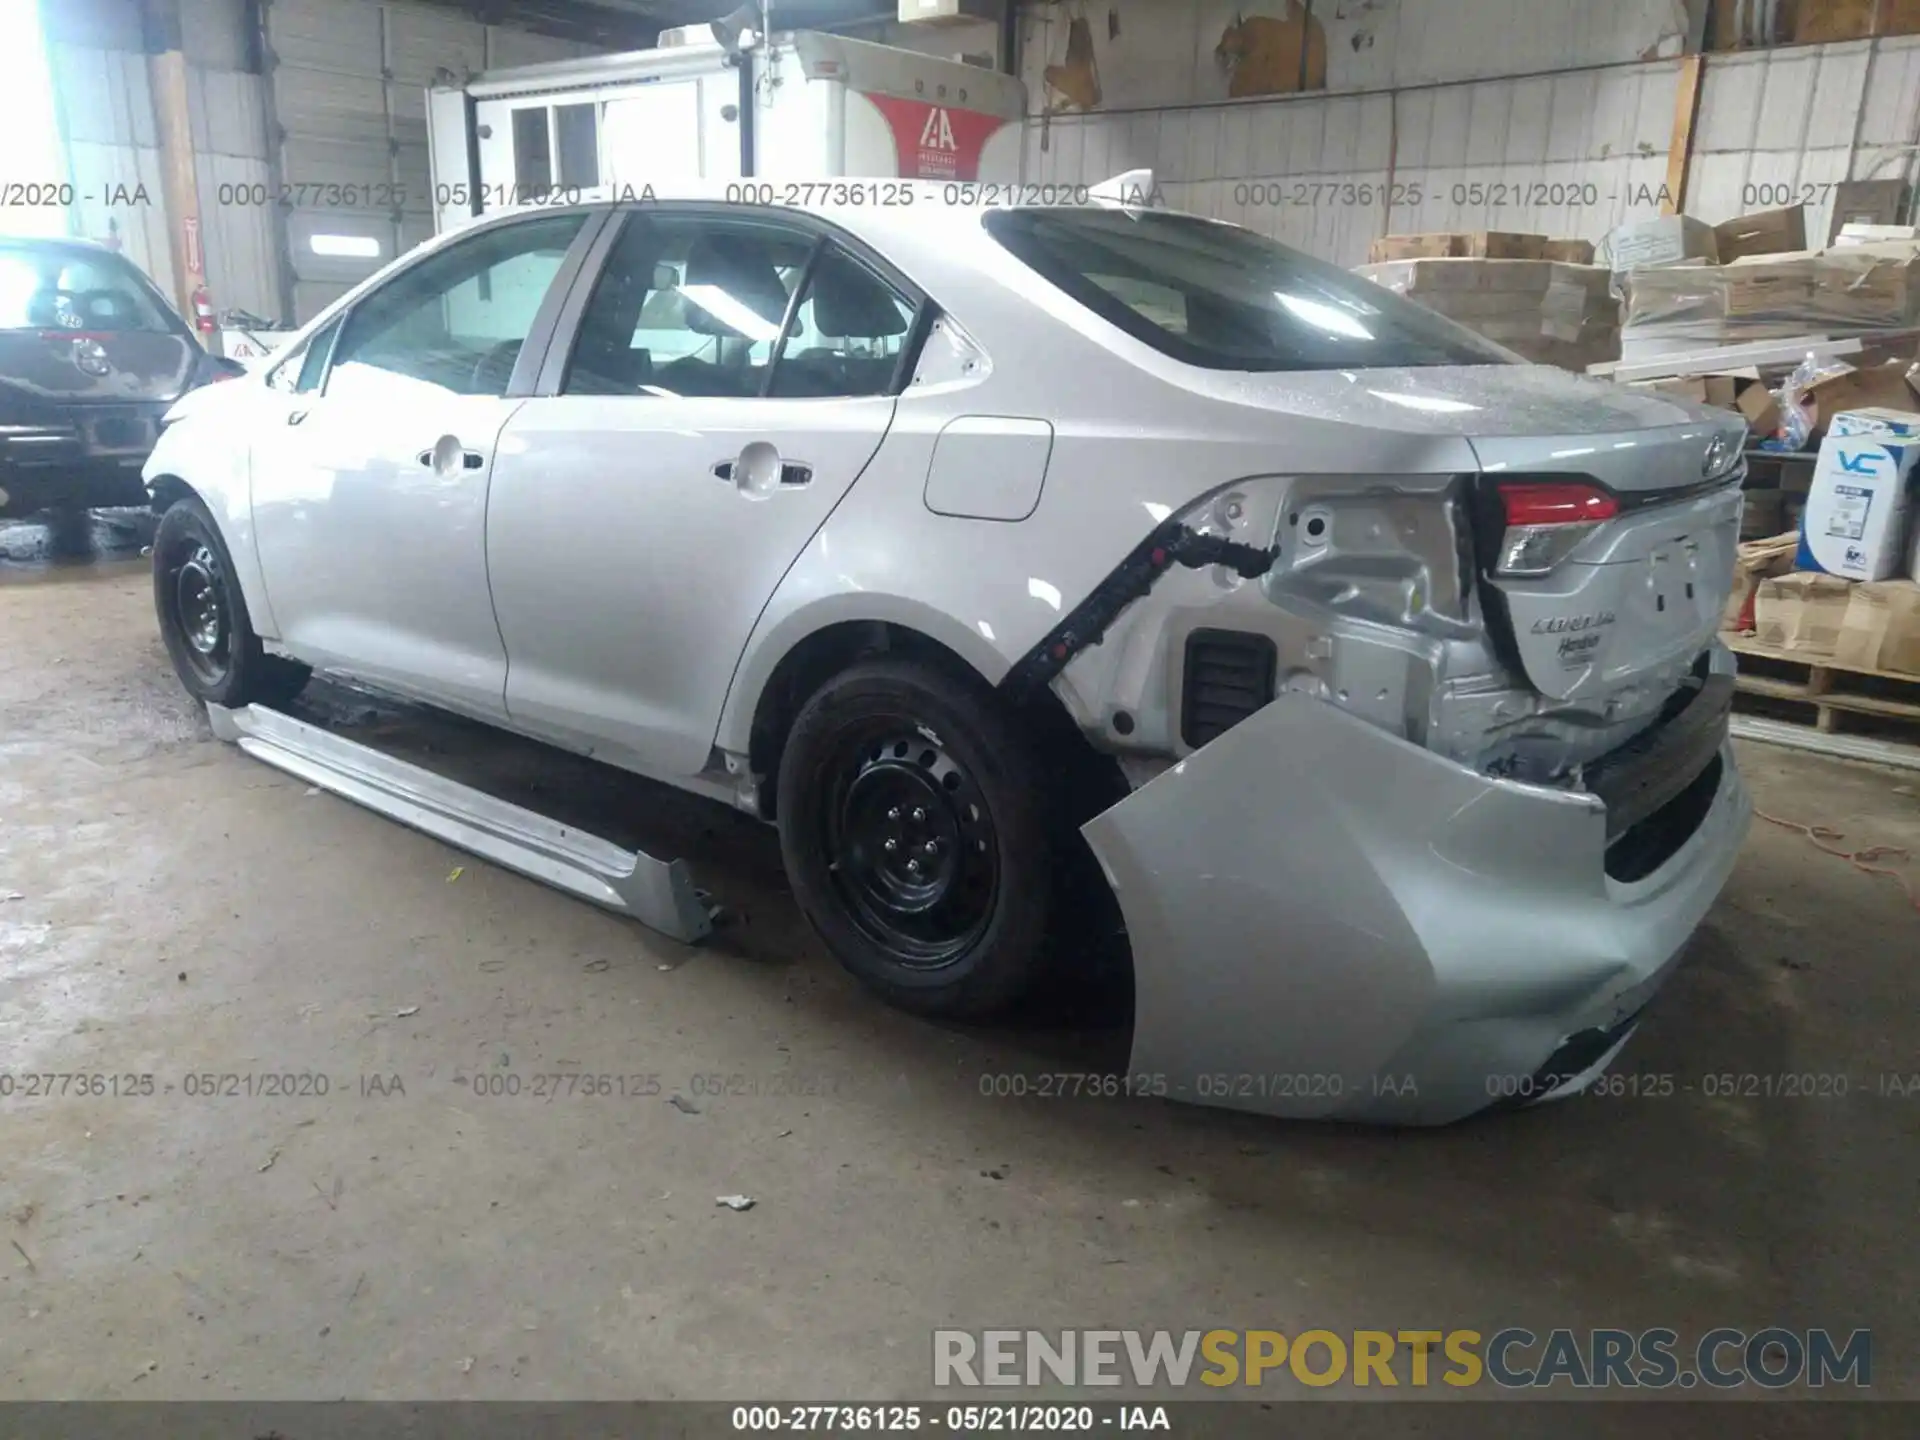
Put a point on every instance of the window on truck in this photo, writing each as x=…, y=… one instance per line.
x=1226, y=298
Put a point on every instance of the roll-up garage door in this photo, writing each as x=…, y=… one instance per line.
x=349, y=84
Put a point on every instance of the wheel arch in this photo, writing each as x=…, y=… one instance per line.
x=763, y=722
x=232, y=517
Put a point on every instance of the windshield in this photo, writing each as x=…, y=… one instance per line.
x=55, y=287
x=1227, y=298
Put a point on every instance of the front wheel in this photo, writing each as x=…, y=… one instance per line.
x=913, y=833
x=203, y=617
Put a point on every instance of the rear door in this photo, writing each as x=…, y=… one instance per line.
x=731, y=375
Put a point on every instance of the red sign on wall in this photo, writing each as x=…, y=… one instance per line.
x=936, y=142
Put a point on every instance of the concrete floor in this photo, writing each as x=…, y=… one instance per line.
x=169, y=907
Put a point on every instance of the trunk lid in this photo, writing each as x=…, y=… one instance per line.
x=1644, y=590
x=41, y=369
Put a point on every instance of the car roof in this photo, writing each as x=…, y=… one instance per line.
x=59, y=242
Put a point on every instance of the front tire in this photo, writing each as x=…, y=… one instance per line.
x=203, y=617
x=912, y=827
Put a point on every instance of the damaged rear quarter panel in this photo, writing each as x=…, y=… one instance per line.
x=991, y=590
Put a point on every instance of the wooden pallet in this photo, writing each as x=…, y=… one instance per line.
x=1829, y=691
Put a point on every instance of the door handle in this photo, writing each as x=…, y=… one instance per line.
x=469, y=459
x=294, y=417
x=789, y=474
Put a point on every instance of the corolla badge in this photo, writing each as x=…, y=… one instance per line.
x=90, y=357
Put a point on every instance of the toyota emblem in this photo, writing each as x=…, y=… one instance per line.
x=1722, y=453
x=90, y=357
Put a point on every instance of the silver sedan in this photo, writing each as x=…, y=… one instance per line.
x=1373, y=671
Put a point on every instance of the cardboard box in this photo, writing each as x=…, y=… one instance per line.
x=1766, y=232
x=1874, y=284
x=1414, y=247
x=1769, y=285
x=1885, y=387
x=1572, y=252
x=1881, y=627
x=1720, y=390
x=1505, y=245
x=1855, y=521
x=1661, y=241
x=1761, y=407
x=1756, y=560
x=1867, y=202
x=1815, y=22
x=1801, y=612
x=1899, y=423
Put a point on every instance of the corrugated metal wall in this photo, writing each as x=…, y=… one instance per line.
x=349, y=87
x=348, y=80
x=105, y=109
x=1571, y=152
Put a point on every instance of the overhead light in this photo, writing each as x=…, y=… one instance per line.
x=348, y=247
x=730, y=312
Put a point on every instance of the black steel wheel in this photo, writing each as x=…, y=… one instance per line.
x=203, y=616
x=911, y=825
x=911, y=846
x=196, y=588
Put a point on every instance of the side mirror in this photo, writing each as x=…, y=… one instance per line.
x=221, y=367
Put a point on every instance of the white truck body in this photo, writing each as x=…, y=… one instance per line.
x=825, y=106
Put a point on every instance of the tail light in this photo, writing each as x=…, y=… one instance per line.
x=1546, y=521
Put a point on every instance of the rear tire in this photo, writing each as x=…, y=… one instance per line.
x=914, y=835
x=203, y=617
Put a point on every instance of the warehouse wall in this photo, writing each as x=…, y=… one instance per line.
x=1412, y=90
x=336, y=95
x=105, y=109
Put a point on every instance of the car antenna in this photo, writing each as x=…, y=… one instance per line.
x=1130, y=190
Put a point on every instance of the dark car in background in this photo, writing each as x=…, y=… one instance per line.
x=91, y=357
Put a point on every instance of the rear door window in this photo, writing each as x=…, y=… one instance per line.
x=688, y=305
x=60, y=287
x=695, y=305
x=1226, y=298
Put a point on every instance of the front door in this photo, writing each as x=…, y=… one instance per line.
x=370, y=493
x=708, y=422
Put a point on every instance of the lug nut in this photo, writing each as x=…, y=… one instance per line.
x=932, y=847
x=894, y=813
x=913, y=867
x=890, y=846
x=918, y=815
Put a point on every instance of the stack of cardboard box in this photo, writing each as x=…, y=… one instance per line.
x=1478, y=245
x=1550, y=312
x=1844, y=587
x=1688, y=287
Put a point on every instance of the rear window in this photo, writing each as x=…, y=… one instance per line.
x=1225, y=298
x=56, y=287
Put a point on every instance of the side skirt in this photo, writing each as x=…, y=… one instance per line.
x=657, y=893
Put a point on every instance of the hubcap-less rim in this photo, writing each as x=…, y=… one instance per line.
x=200, y=608
x=912, y=851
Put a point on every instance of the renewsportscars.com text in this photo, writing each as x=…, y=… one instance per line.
x=1771, y=1358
